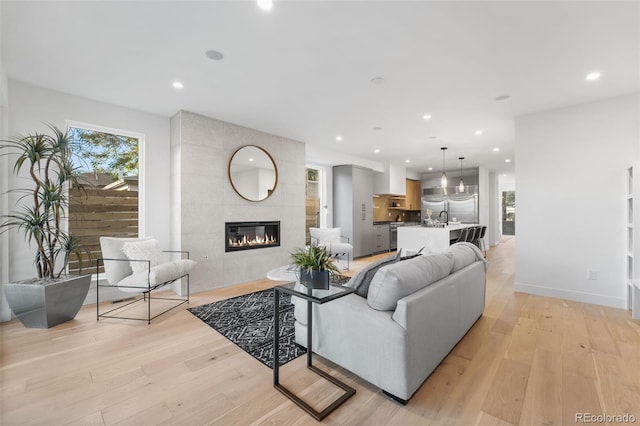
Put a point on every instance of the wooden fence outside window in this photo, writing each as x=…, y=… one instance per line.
x=94, y=213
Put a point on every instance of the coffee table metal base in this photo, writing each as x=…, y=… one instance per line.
x=318, y=415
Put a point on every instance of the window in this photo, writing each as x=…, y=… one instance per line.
x=108, y=204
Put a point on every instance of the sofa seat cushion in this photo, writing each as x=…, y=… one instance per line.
x=393, y=282
x=160, y=274
x=362, y=279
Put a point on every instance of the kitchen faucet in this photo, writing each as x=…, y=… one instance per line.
x=440, y=215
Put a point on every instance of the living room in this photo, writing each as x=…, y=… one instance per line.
x=570, y=142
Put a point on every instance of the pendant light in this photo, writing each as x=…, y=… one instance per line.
x=443, y=179
x=461, y=186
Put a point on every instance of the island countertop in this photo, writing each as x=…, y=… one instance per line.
x=435, y=239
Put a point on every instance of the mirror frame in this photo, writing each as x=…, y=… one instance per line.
x=275, y=169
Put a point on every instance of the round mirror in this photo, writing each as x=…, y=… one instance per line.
x=253, y=173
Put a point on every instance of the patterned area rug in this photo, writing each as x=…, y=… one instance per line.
x=248, y=322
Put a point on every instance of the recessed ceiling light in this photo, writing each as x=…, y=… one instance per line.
x=376, y=150
x=478, y=132
x=496, y=149
x=502, y=97
x=377, y=81
x=407, y=161
x=178, y=85
x=338, y=138
x=593, y=76
x=508, y=160
x=214, y=54
x=426, y=117
x=430, y=168
x=265, y=4
x=250, y=159
x=505, y=175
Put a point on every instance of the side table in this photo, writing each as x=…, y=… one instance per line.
x=311, y=296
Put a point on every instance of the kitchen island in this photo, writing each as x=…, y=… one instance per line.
x=435, y=239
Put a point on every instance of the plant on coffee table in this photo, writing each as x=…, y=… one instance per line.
x=315, y=265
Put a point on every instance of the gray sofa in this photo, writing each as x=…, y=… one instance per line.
x=415, y=312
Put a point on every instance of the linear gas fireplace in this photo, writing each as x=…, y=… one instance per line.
x=251, y=235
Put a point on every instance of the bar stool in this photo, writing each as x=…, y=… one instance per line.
x=463, y=235
x=480, y=240
x=471, y=234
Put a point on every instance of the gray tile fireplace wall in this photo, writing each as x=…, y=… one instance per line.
x=202, y=199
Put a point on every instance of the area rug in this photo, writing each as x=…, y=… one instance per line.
x=247, y=321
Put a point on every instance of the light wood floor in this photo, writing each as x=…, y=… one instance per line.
x=529, y=360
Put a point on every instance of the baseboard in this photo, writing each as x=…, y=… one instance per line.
x=576, y=296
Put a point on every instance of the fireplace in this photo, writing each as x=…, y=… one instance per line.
x=251, y=235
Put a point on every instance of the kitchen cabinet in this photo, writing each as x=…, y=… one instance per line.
x=380, y=237
x=413, y=200
x=391, y=181
x=353, y=206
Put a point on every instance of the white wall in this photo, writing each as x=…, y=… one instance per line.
x=570, y=173
x=31, y=106
x=5, y=312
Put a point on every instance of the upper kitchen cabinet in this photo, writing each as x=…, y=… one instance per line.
x=353, y=206
x=391, y=181
x=413, y=200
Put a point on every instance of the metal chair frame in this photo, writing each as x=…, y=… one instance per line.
x=146, y=292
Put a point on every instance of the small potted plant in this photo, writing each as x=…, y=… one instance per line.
x=51, y=297
x=315, y=265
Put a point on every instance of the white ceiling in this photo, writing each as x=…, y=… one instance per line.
x=303, y=70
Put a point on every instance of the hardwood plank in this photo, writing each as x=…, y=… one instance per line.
x=543, y=398
x=506, y=395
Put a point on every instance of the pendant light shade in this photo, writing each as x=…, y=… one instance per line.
x=443, y=179
x=461, y=186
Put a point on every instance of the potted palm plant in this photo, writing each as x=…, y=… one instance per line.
x=315, y=265
x=52, y=297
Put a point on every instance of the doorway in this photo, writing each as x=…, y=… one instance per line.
x=312, y=201
x=508, y=213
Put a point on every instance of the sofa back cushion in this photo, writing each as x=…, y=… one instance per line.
x=362, y=279
x=393, y=282
x=463, y=255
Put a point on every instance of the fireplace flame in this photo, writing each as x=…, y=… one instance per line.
x=255, y=241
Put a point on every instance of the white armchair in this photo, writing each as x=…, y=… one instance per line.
x=336, y=244
x=137, y=265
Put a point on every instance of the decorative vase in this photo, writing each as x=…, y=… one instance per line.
x=40, y=305
x=315, y=279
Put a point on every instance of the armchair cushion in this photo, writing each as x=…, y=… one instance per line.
x=325, y=236
x=339, y=248
x=159, y=274
x=143, y=250
x=112, y=249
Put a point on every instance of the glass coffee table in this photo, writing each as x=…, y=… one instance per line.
x=311, y=296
